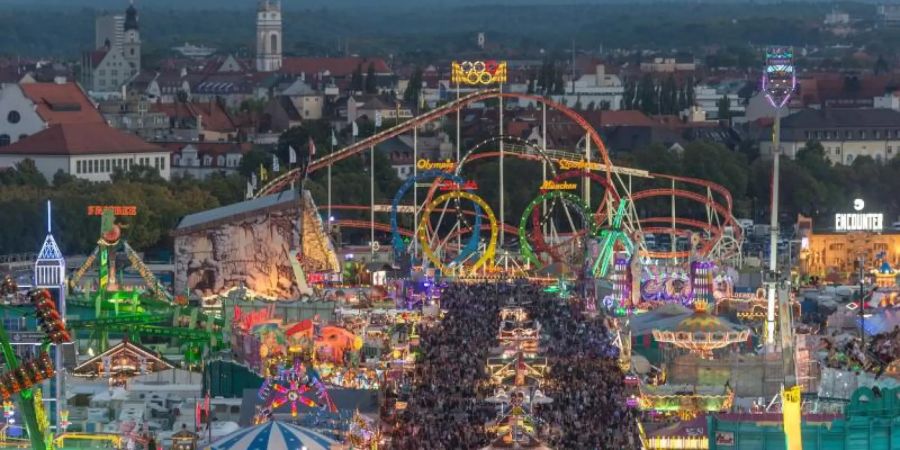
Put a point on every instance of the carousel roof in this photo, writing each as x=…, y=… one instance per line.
x=273, y=436
x=701, y=321
x=127, y=349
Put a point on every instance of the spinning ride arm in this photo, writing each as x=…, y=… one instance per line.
x=76, y=277
x=149, y=279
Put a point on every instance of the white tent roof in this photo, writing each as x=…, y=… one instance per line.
x=273, y=436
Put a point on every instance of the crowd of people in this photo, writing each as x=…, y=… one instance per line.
x=444, y=405
x=847, y=353
x=445, y=408
x=585, y=383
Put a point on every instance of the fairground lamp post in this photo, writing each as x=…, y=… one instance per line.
x=778, y=83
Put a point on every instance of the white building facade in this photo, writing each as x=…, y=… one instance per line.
x=268, y=36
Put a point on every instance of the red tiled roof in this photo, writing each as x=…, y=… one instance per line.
x=97, y=56
x=338, y=67
x=61, y=103
x=208, y=148
x=214, y=117
x=626, y=117
x=80, y=139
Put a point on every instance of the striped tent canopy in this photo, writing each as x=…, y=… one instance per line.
x=274, y=436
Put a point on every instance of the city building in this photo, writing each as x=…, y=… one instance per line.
x=29, y=108
x=372, y=106
x=202, y=159
x=109, y=30
x=889, y=15
x=319, y=73
x=268, y=35
x=668, y=64
x=107, y=68
x=134, y=115
x=844, y=133
x=91, y=151
x=198, y=121
x=707, y=97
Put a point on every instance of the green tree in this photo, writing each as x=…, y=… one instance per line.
x=356, y=79
x=881, y=65
x=371, y=81
x=724, y=105
x=647, y=95
x=252, y=160
x=24, y=173
x=414, y=88
x=559, y=86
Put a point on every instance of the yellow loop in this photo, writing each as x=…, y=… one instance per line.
x=489, y=252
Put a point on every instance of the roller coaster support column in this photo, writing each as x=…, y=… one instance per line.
x=329, y=220
x=372, y=197
x=26, y=396
x=773, y=233
x=502, y=187
x=586, y=181
x=544, y=149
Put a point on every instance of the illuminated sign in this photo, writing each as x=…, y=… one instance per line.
x=424, y=164
x=550, y=185
x=779, y=80
x=858, y=221
x=118, y=210
x=448, y=185
x=478, y=72
x=725, y=438
x=568, y=164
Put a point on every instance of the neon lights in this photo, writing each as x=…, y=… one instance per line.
x=609, y=238
x=425, y=164
x=448, y=185
x=475, y=73
x=397, y=239
x=580, y=207
x=550, y=185
x=118, y=210
x=779, y=80
x=858, y=222
x=570, y=164
x=488, y=253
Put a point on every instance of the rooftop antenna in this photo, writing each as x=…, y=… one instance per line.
x=48, y=217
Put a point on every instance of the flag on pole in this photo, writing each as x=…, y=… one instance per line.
x=292, y=155
x=355, y=129
x=312, y=147
x=263, y=173
x=253, y=180
x=249, y=193
x=276, y=165
x=377, y=119
x=333, y=138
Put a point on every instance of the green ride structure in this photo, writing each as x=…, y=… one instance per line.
x=147, y=314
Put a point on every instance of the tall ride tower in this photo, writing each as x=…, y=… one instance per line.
x=268, y=35
x=50, y=274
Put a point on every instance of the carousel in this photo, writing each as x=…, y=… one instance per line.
x=685, y=400
x=702, y=332
x=517, y=428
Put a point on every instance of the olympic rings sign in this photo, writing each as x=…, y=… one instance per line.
x=478, y=72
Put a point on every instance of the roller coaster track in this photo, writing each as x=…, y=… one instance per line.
x=280, y=182
x=121, y=320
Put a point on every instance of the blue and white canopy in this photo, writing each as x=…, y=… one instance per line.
x=274, y=436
